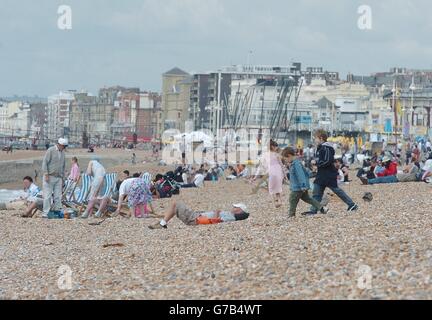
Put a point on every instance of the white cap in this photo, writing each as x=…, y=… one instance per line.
x=241, y=206
x=63, y=141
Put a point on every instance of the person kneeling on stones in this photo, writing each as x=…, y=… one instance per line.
x=194, y=218
x=138, y=194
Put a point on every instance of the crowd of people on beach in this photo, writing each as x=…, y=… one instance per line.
x=390, y=167
x=276, y=167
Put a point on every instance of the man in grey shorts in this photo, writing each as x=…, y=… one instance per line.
x=193, y=218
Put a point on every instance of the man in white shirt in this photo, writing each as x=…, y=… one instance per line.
x=198, y=181
x=27, y=203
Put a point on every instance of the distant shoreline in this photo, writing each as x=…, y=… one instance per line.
x=111, y=158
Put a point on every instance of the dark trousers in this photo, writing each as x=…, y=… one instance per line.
x=189, y=185
x=295, y=197
x=318, y=193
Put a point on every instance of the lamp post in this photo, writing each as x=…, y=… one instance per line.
x=194, y=115
x=210, y=110
x=412, y=88
x=394, y=91
x=218, y=106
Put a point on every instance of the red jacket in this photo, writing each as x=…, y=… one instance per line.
x=391, y=171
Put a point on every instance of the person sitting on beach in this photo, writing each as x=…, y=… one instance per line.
x=164, y=187
x=232, y=173
x=367, y=171
x=242, y=171
x=343, y=170
x=182, y=173
x=193, y=218
x=29, y=202
x=156, y=183
x=198, y=181
x=340, y=177
x=390, y=168
x=212, y=174
x=427, y=169
x=123, y=176
x=379, y=168
x=410, y=174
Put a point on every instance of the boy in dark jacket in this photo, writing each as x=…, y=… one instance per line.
x=327, y=173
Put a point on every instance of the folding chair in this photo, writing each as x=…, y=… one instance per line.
x=82, y=199
x=110, y=181
x=108, y=185
x=69, y=189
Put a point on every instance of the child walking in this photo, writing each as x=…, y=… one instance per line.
x=299, y=183
x=271, y=166
x=327, y=173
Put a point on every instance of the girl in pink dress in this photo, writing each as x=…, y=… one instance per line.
x=272, y=166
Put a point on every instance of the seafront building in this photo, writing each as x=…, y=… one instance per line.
x=383, y=104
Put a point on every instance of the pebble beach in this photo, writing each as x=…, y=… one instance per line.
x=382, y=251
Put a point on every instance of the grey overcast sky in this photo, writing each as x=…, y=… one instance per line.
x=132, y=42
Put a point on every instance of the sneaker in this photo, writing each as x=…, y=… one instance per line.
x=98, y=215
x=85, y=215
x=44, y=216
x=324, y=210
x=325, y=201
x=353, y=208
x=157, y=226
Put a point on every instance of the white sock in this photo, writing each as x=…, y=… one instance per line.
x=163, y=223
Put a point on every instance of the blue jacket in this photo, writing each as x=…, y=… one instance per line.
x=299, y=176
